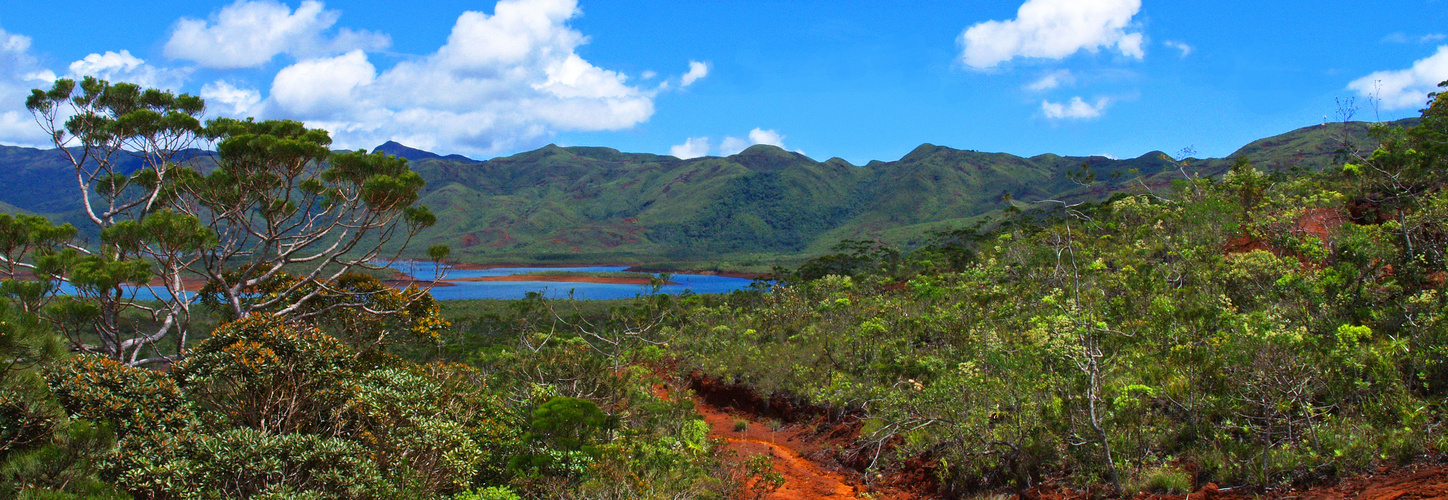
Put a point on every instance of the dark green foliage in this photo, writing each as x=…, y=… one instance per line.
x=1271, y=327
x=28, y=415
x=569, y=423
x=64, y=469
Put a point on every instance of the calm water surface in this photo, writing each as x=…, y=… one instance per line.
x=695, y=283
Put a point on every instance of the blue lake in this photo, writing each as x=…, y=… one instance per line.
x=695, y=283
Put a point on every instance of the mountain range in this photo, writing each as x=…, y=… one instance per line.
x=761, y=207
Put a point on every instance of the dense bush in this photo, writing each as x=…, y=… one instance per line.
x=1266, y=328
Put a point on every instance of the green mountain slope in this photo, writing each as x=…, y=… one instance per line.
x=760, y=207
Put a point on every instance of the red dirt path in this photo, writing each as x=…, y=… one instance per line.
x=802, y=454
x=803, y=478
x=803, y=441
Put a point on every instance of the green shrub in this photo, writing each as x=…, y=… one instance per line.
x=415, y=428
x=244, y=462
x=570, y=423
x=267, y=373
x=492, y=493
x=1161, y=480
x=102, y=390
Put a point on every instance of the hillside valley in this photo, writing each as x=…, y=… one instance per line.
x=753, y=210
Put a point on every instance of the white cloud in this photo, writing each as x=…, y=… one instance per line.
x=1183, y=47
x=123, y=67
x=249, y=33
x=649, y=75
x=692, y=147
x=697, y=70
x=501, y=82
x=323, y=88
x=1052, y=80
x=19, y=72
x=230, y=100
x=18, y=69
x=769, y=137
x=1132, y=45
x=1076, y=109
x=1407, y=88
x=1054, y=29
x=1400, y=37
x=733, y=145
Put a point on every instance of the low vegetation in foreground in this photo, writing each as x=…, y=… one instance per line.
x=1256, y=329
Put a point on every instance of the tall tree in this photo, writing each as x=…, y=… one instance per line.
x=272, y=204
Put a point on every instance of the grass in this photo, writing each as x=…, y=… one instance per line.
x=1161, y=480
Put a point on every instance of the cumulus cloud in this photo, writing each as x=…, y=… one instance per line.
x=695, y=147
x=249, y=33
x=1054, y=29
x=733, y=145
x=227, y=99
x=1052, y=80
x=500, y=82
x=1075, y=109
x=697, y=70
x=1405, y=88
x=1185, y=49
x=692, y=147
x=124, y=67
x=19, y=72
x=769, y=137
x=323, y=88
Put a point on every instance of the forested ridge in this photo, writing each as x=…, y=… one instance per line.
x=1256, y=329
x=750, y=211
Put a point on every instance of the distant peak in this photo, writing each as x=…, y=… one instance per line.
x=763, y=149
x=395, y=148
x=923, y=151
x=767, y=157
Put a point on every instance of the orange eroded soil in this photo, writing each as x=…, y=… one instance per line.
x=566, y=279
x=803, y=478
x=807, y=445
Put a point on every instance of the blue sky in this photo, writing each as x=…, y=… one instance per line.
x=858, y=80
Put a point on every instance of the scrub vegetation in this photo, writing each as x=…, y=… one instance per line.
x=1245, y=327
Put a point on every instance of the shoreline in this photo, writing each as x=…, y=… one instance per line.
x=628, y=268
x=565, y=279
